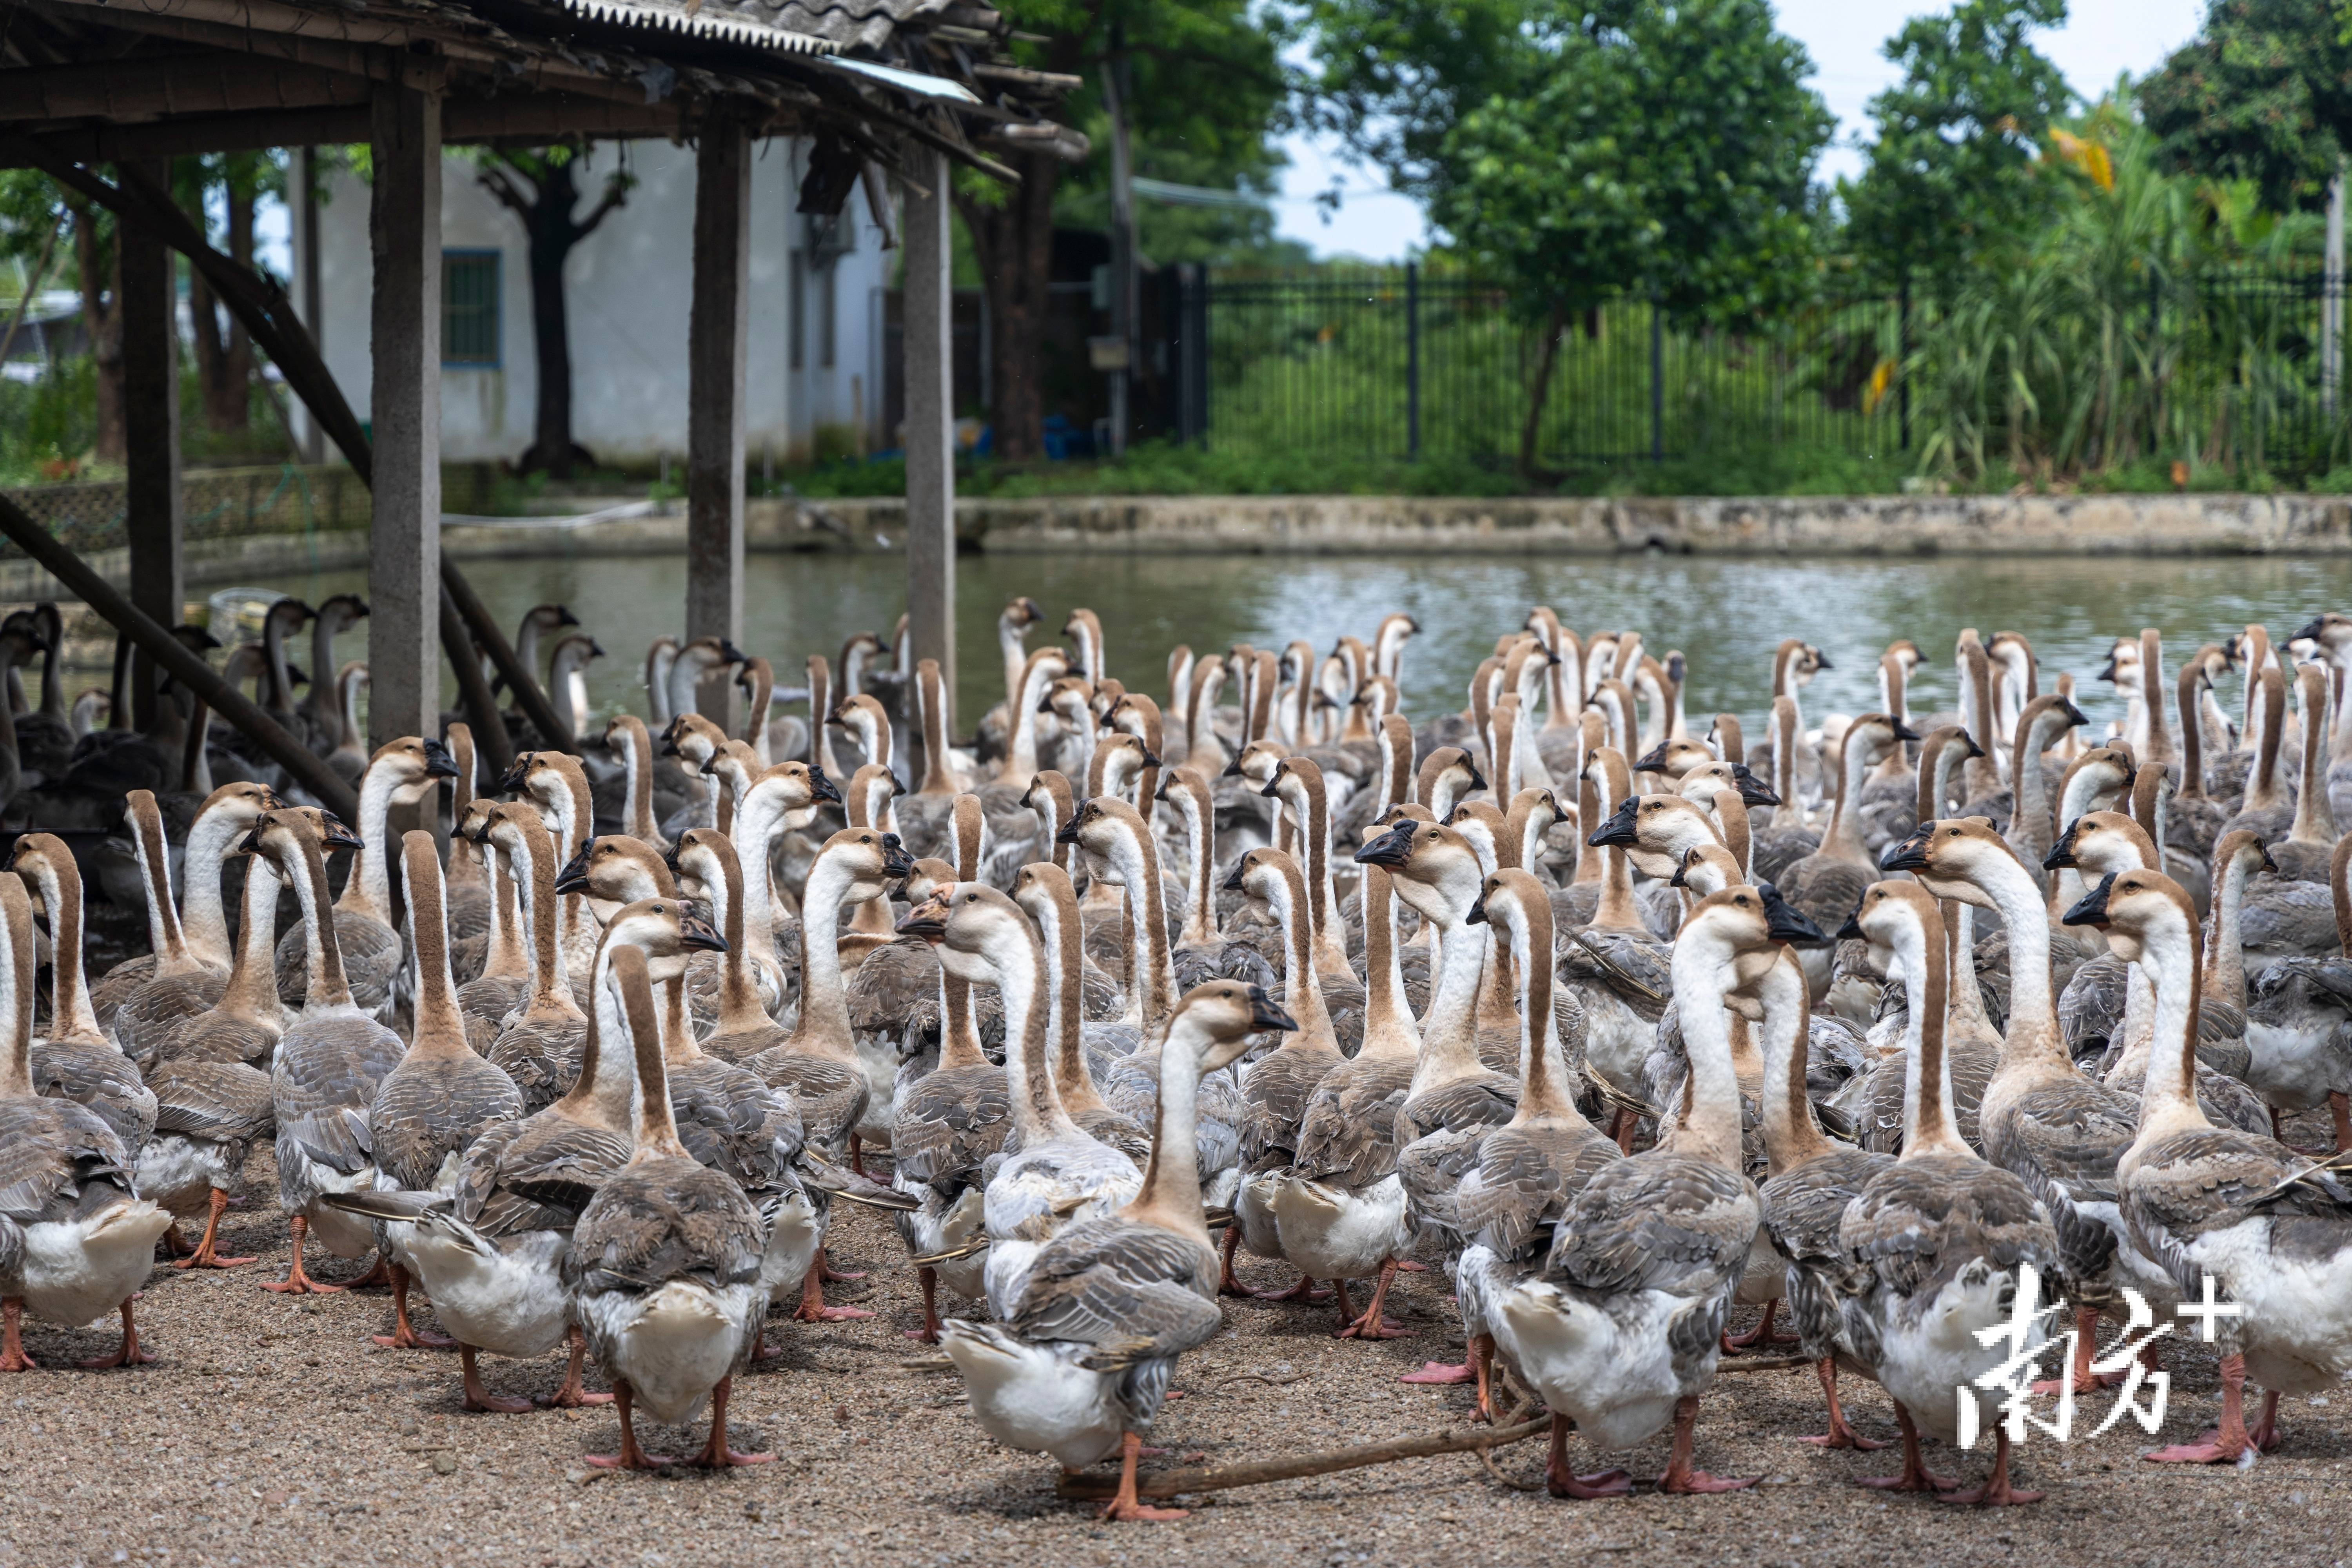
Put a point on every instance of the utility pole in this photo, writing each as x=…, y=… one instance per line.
x=1124, y=298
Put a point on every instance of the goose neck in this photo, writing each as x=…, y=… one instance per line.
x=1171, y=1194
x=1199, y=850
x=2032, y=1014
x=1302, y=987
x=1543, y=1069
x=252, y=991
x=368, y=888
x=739, y=998
x=1927, y=1084
x=1389, y=1032
x=439, y=1025
x=1708, y=1125
x=326, y=986
x=824, y=1001
x=2225, y=960
x=1037, y=1107
x=16, y=983
x=1133, y=857
x=607, y=1092
x=71, y=1016
x=536, y=870
x=1450, y=1029
x=203, y=919
x=164, y=928
x=1791, y=1136
x=2169, y=1101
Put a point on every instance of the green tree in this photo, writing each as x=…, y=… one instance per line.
x=1205, y=90
x=2263, y=92
x=1954, y=176
x=1660, y=152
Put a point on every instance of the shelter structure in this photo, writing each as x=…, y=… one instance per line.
x=894, y=93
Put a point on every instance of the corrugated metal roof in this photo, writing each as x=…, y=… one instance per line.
x=738, y=25
x=853, y=23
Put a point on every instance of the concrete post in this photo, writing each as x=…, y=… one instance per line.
x=153, y=518
x=303, y=203
x=929, y=342
x=718, y=323
x=405, y=404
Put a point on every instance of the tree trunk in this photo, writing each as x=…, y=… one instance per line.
x=212, y=349
x=101, y=327
x=236, y=412
x=1555, y=326
x=551, y=238
x=1014, y=245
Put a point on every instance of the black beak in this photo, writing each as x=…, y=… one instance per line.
x=2108, y=671
x=1825, y=663
x=1678, y=879
x=1974, y=750
x=1851, y=930
x=1786, y=922
x=1151, y=761
x=897, y=863
x=1911, y=854
x=1477, y=915
x=511, y=782
x=1475, y=781
x=2073, y=715
x=2311, y=631
x=574, y=877
x=1232, y=884
x=1618, y=830
x=733, y=654
x=2061, y=854
x=1655, y=761
x=1903, y=732
x=1753, y=791
x=1233, y=770
x=1273, y=789
x=1390, y=849
x=1046, y=706
x=930, y=928
x=1069, y=833
x=563, y=617
x=438, y=763
x=2269, y=864
x=669, y=855
x=2092, y=909
x=824, y=788
x=1265, y=1013
x=338, y=835
x=695, y=932
x=481, y=834
x=709, y=768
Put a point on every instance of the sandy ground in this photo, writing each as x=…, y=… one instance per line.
x=272, y=1431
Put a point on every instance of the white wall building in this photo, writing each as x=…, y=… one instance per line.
x=815, y=351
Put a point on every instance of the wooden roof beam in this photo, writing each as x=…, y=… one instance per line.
x=126, y=91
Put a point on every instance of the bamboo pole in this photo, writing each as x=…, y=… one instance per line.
x=1173, y=1483
x=185, y=667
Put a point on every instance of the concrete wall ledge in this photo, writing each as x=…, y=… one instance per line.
x=1861, y=526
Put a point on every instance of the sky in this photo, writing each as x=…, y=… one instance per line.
x=2100, y=40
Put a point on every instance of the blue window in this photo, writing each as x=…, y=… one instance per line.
x=469, y=309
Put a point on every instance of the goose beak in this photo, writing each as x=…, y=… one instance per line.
x=1390, y=849
x=1784, y=921
x=897, y=864
x=1470, y=767
x=1911, y=854
x=1151, y=761
x=709, y=768
x=697, y=934
x=1070, y=832
x=1824, y=662
x=1678, y=879
x=511, y=782
x=2268, y=864
x=438, y=763
x=1851, y=930
x=563, y=616
x=2311, y=631
x=730, y=654
x=1753, y=791
x=1477, y=915
x=1232, y=884
x=1903, y=732
x=1618, y=830
x=928, y=919
x=2073, y=715
x=1273, y=787
x=2061, y=854
x=1654, y=761
x=2108, y=671
x=669, y=857
x=574, y=877
x=250, y=844
x=338, y=834
x=2092, y=909
x=824, y=788
x=1233, y=770
x=1265, y=1013
x=1974, y=750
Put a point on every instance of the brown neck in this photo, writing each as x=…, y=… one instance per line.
x=1389, y=1029
x=327, y=988
x=17, y=1007
x=155, y=870
x=440, y=1027
x=656, y=1123
x=252, y=991
x=1056, y=913
x=52, y=865
x=2193, y=733
x=739, y=998
x=1928, y=1128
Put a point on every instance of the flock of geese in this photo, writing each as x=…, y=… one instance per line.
x=1620, y=1020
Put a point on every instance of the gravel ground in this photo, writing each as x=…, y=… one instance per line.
x=272, y=1431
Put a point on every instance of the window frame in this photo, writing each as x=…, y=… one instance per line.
x=497, y=312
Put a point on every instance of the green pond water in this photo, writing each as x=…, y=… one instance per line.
x=1728, y=616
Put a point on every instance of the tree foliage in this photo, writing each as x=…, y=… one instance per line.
x=1954, y=180
x=2263, y=92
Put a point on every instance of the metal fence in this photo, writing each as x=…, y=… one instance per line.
x=1407, y=362
x=217, y=503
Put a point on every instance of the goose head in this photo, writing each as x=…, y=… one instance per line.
x=661, y=929
x=1447, y=774
x=1875, y=736
x=2331, y=633
x=2136, y=909
x=1675, y=758
x=1958, y=858
x=1734, y=937
x=1654, y=830
x=978, y=932
x=1264, y=874
x=927, y=876
x=240, y=805
x=1433, y=868
x=1229, y=1012
x=1707, y=869
x=1101, y=826
x=285, y=834
x=2098, y=842
x=414, y=765
x=875, y=861
x=2240, y=849
x=1257, y=762
x=1893, y=918
x=614, y=868
x=692, y=738
x=1020, y=612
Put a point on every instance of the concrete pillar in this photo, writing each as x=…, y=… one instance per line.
x=717, y=327
x=152, y=517
x=302, y=202
x=929, y=342
x=405, y=404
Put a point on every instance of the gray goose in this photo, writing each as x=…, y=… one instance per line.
x=440, y=1096
x=503, y=983
x=179, y=985
x=227, y=815
x=664, y=1268
x=538, y=1045
x=557, y=784
x=1201, y=952
x=401, y=771
x=1043, y=892
x=76, y=1061
x=1079, y=1367
x=212, y=1103
x=76, y=1240
x=465, y=884
x=328, y=1067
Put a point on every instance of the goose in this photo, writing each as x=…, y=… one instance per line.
x=543, y=621
x=1299, y=784
x=704, y=661
x=1044, y=892
x=1786, y=839
x=2268, y=807
x=2332, y=633
x=465, y=881
x=756, y=679
x=76, y=1239
x=2042, y=1119
x=1826, y=883
x=1812, y=1179
x=1277, y=1088
x=1080, y=1365
x=2297, y=1026
x=1616, y=966
x=2220, y=1207
x=664, y=1268
x=76, y=1061
x=440, y=1096
x=1935, y=1245
x=323, y=709
x=2302, y=856
x=558, y=787
x=626, y=737
x=1453, y=1098
x=1201, y=952
x=2044, y=721
x=1054, y=1174
x=44, y=736
x=212, y=1103
x=1013, y=622
x=786, y=797
x=818, y=1063
x=1621, y=1329
x=179, y=984
x=1529, y=1168
x=694, y=741
x=226, y=816
x=924, y=812
x=540, y=1042
x=329, y=1064
x=2224, y=1025
x=371, y=951
x=2197, y=818
x=504, y=982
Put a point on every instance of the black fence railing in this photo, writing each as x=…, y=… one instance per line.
x=1409, y=362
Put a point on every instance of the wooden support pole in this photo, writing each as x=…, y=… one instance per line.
x=1174, y=1483
x=929, y=342
x=152, y=517
x=302, y=201
x=405, y=403
x=185, y=667
x=717, y=328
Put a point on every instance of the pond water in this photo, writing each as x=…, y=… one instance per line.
x=1728, y=616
